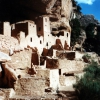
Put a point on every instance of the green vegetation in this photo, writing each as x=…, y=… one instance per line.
x=79, y=8
x=76, y=28
x=86, y=56
x=75, y=24
x=92, y=43
x=90, y=30
x=75, y=4
x=98, y=33
x=88, y=86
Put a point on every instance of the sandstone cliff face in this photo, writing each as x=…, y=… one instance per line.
x=53, y=8
x=60, y=15
x=29, y=9
x=66, y=8
x=62, y=8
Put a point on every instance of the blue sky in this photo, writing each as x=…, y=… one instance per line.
x=90, y=7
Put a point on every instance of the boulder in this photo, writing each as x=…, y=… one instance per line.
x=9, y=76
x=2, y=95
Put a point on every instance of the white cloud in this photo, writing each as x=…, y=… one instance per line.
x=90, y=2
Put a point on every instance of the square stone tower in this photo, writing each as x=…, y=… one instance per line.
x=43, y=28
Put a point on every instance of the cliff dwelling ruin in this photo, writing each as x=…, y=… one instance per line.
x=41, y=61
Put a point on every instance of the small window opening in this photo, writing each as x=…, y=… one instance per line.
x=67, y=34
x=68, y=74
x=40, y=42
x=31, y=39
x=47, y=44
x=59, y=71
x=39, y=28
x=45, y=19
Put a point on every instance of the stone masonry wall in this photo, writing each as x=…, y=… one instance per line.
x=21, y=59
x=70, y=66
x=8, y=42
x=30, y=87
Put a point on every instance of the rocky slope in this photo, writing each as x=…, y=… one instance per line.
x=89, y=26
x=86, y=19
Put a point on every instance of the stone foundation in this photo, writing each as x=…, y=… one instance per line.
x=30, y=87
